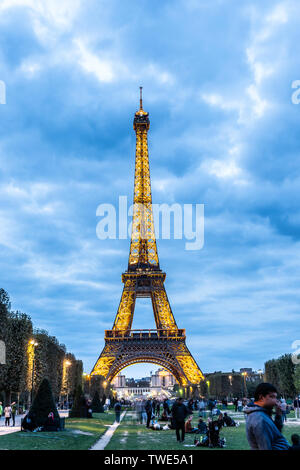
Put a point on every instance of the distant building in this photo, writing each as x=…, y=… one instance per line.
x=160, y=384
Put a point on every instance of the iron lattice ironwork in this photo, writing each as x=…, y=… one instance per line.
x=164, y=346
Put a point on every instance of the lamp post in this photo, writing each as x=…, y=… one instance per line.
x=67, y=364
x=230, y=381
x=34, y=345
x=245, y=385
x=208, y=385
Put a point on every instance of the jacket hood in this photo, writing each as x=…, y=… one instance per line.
x=255, y=408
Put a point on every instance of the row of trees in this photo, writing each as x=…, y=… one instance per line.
x=284, y=375
x=32, y=355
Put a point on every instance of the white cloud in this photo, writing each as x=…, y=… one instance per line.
x=101, y=68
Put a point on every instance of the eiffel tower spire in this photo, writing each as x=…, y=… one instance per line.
x=165, y=345
x=143, y=249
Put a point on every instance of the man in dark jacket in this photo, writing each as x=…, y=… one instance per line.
x=148, y=409
x=262, y=434
x=179, y=413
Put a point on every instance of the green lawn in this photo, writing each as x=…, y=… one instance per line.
x=128, y=436
x=132, y=436
x=69, y=439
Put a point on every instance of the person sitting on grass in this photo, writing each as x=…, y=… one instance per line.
x=214, y=434
x=202, y=428
x=188, y=426
x=295, y=438
x=228, y=421
x=28, y=424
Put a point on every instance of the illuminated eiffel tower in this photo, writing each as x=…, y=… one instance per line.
x=165, y=345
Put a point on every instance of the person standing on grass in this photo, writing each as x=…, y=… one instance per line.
x=13, y=412
x=148, y=409
x=118, y=409
x=179, y=413
x=283, y=408
x=7, y=415
x=297, y=407
x=166, y=407
x=235, y=403
x=158, y=409
x=1, y=409
x=262, y=433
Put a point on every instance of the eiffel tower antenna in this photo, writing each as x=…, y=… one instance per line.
x=165, y=345
x=141, y=97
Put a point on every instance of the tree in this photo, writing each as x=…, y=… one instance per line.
x=96, y=405
x=17, y=334
x=49, y=355
x=272, y=373
x=286, y=370
x=79, y=408
x=43, y=404
x=94, y=383
x=280, y=373
x=297, y=379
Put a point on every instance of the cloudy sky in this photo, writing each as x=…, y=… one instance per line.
x=217, y=77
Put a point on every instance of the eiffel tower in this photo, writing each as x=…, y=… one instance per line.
x=164, y=346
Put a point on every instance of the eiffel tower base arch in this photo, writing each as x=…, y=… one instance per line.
x=160, y=347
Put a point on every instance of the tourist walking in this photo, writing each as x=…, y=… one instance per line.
x=118, y=409
x=283, y=408
x=158, y=409
x=144, y=414
x=148, y=408
x=166, y=407
x=13, y=412
x=262, y=433
x=138, y=409
x=7, y=415
x=235, y=403
x=179, y=413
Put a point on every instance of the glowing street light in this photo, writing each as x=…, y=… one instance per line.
x=34, y=344
x=245, y=375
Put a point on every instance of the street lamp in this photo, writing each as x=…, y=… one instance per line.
x=208, y=385
x=245, y=385
x=67, y=364
x=230, y=381
x=34, y=344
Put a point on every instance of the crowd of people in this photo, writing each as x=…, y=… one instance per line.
x=265, y=415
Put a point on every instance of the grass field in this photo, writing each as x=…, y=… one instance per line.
x=72, y=438
x=132, y=436
x=81, y=434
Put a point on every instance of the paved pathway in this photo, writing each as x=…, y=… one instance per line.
x=104, y=440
